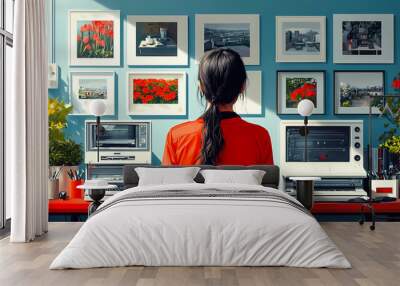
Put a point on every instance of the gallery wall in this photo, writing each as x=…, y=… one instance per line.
x=267, y=9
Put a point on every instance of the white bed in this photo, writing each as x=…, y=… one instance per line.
x=267, y=229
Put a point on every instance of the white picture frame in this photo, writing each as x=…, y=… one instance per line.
x=99, y=82
x=309, y=46
x=157, y=109
x=286, y=105
x=357, y=79
x=251, y=102
x=357, y=53
x=152, y=53
x=78, y=54
x=250, y=22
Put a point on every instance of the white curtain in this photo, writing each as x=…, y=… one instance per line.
x=26, y=124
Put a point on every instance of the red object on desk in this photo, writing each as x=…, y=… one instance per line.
x=354, y=208
x=384, y=190
x=71, y=206
x=80, y=206
x=74, y=192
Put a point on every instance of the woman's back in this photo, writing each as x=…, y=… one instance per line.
x=219, y=136
x=244, y=143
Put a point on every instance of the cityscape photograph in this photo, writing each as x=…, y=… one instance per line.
x=355, y=90
x=302, y=39
x=92, y=89
x=233, y=35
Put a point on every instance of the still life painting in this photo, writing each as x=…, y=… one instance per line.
x=157, y=40
x=94, y=38
x=294, y=86
x=156, y=93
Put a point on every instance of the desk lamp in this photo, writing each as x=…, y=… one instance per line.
x=98, y=108
x=305, y=108
x=305, y=185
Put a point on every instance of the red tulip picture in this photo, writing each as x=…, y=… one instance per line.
x=298, y=89
x=155, y=91
x=95, y=39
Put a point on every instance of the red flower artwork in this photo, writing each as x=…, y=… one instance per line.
x=95, y=39
x=307, y=90
x=155, y=91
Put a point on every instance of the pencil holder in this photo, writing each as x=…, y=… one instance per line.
x=74, y=192
x=53, y=188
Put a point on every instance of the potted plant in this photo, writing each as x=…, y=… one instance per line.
x=64, y=154
x=390, y=138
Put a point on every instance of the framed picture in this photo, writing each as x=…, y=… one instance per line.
x=157, y=40
x=251, y=102
x=88, y=86
x=363, y=38
x=239, y=32
x=301, y=39
x=294, y=86
x=156, y=93
x=94, y=38
x=353, y=91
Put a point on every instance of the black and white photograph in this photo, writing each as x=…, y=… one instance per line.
x=300, y=39
x=237, y=32
x=157, y=40
x=363, y=38
x=230, y=35
x=355, y=91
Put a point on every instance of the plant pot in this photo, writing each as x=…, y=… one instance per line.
x=63, y=177
x=74, y=192
x=53, y=189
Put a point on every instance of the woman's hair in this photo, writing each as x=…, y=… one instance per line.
x=222, y=77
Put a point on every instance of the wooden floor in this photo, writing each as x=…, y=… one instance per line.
x=375, y=257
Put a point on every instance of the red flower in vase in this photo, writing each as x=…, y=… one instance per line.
x=396, y=83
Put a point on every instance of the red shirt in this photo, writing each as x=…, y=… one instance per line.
x=244, y=144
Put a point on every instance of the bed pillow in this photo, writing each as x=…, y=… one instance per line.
x=166, y=176
x=248, y=177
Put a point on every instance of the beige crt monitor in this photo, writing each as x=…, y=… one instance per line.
x=335, y=149
x=120, y=142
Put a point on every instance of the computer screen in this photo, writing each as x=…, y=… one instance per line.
x=324, y=144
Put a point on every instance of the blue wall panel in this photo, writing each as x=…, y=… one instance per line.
x=267, y=10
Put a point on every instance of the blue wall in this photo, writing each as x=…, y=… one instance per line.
x=267, y=9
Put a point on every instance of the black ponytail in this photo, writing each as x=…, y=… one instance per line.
x=222, y=76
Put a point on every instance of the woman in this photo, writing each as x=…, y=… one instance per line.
x=219, y=136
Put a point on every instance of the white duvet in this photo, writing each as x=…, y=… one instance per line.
x=200, y=231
